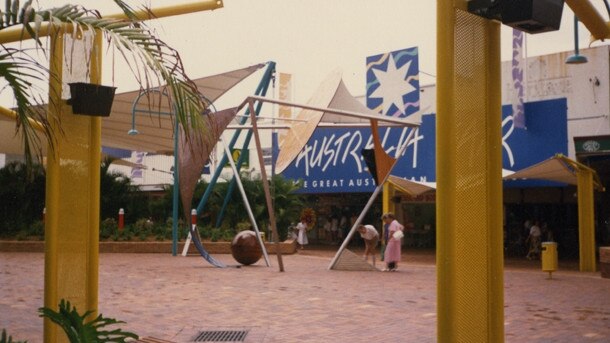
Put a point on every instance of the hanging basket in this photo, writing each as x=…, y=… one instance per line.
x=91, y=100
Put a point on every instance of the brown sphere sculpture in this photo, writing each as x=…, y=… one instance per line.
x=245, y=248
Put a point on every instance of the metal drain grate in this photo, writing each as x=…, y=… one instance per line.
x=221, y=336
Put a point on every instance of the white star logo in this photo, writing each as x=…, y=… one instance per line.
x=393, y=86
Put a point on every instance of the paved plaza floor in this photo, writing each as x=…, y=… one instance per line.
x=175, y=298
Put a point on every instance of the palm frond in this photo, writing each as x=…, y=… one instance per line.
x=18, y=69
x=153, y=63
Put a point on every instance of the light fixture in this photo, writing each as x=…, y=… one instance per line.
x=576, y=58
x=133, y=130
x=531, y=16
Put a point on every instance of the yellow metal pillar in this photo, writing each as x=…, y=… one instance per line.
x=388, y=193
x=386, y=206
x=72, y=197
x=469, y=177
x=586, y=226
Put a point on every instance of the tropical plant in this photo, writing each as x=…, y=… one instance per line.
x=18, y=186
x=151, y=60
x=26, y=187
x=5, y=338
x=117, y=191
x=79, y=329
x=287, y=203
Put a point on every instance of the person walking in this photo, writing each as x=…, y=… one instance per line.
x=395, y=234
x=534, y=241
x=371, y=238
x=302, y=234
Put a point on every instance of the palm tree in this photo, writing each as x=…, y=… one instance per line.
x=151, y=60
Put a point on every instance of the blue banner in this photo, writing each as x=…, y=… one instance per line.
x=331, y=162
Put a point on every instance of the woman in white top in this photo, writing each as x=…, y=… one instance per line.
x=371, y=238
x=302, y=234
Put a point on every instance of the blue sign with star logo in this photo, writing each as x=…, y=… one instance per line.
x=392, y=82
x=332, y=161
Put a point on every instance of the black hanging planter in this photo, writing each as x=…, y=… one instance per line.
x=91, y=100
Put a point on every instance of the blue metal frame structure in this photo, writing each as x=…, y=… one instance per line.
x=261, y=90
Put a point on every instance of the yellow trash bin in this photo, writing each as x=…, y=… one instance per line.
x=549, y=257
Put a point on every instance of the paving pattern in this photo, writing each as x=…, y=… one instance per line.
x=174, y=298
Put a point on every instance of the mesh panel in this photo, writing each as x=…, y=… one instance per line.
x=471, y=139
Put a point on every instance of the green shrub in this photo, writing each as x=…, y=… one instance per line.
x=23, y=189
x=241, y=226
x=34, y=231
x=126, y=234
x=215, y=235
x=205, y=232
x=37, y=229
x=227, y=236
x=108, y=228
x=21, y=235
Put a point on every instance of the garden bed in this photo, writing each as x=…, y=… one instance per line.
x=145, y=247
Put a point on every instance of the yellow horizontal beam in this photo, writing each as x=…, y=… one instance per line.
x=13, y=115
x=168, y=11
x=17, y=33
x=591, y=18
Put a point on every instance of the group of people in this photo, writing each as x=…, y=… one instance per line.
x=393, y=234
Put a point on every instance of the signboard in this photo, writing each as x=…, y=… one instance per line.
x=236, y=153
x=332, y=162
x=545, y=136
x=592, y=145
x=392, y=82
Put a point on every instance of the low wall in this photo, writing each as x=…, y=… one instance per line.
x=286, y=247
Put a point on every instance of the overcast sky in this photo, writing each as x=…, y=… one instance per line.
x=310, y=38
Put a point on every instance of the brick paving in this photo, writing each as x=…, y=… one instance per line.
x=175, y=297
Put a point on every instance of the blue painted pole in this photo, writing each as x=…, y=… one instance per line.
x=261, y=89
x=238, y=165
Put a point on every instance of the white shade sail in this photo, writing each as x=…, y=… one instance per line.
x=558, y=168
x=331, y=95
x=155, y=127
x=152, y=120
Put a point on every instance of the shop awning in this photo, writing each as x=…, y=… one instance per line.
x=413, y=188
x=558, y=168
